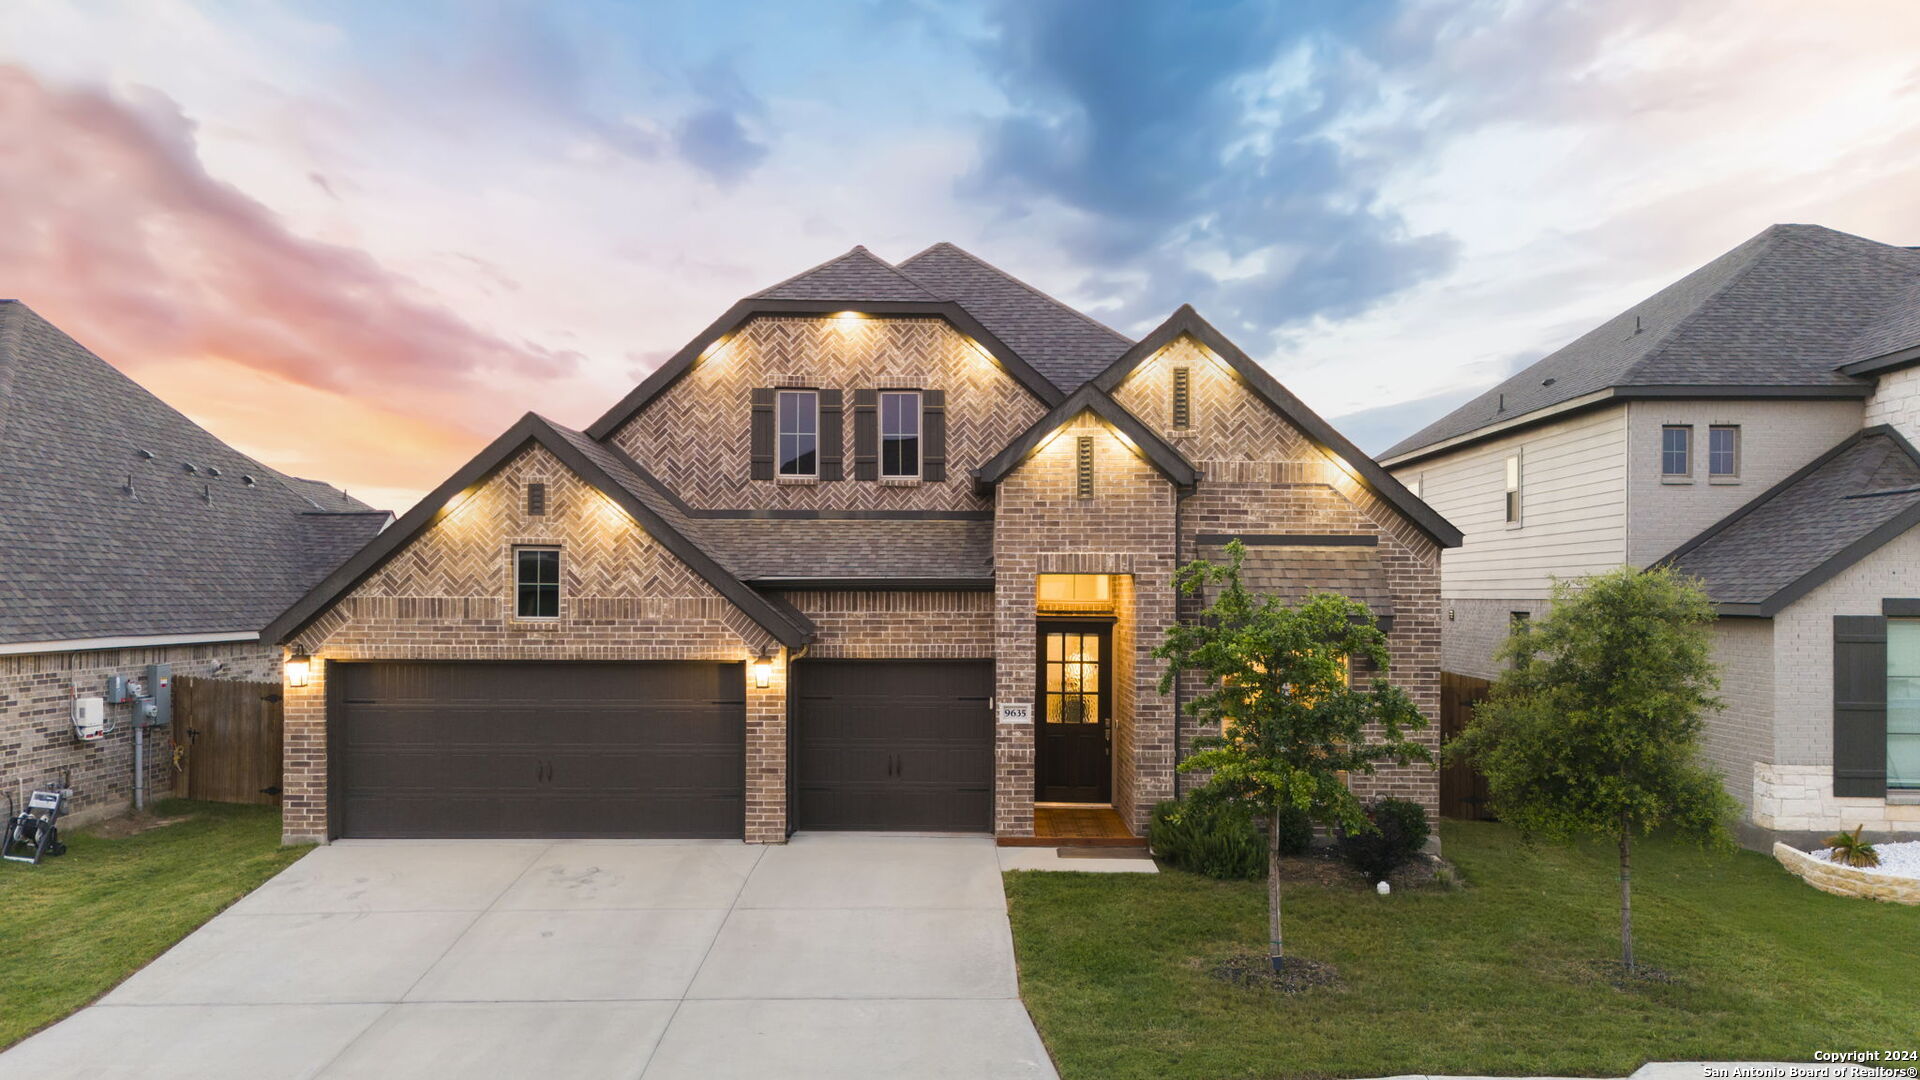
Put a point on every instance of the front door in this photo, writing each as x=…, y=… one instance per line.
x=1076, y=713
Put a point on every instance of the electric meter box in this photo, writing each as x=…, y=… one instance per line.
x=89, y=719
x=118, y=692
x=160, y=693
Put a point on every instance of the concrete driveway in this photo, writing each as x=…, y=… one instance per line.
x=834, y=955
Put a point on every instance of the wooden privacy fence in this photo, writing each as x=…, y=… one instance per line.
x=227, y=736
x=1463, y=792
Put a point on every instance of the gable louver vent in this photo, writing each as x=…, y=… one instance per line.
x=1182, y=398
x=1084, y=461
x=536, y=500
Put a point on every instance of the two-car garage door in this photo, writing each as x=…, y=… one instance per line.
x=523, y=748
x=651, y=749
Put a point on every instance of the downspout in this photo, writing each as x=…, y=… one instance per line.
x=1178, y=705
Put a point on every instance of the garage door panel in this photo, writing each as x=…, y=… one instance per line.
x=904, y=745
x=532, y=749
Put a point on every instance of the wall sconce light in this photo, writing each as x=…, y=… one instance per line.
x=299, y=665
x=763, y=671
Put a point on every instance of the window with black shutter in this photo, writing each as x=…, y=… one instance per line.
x=1860, y=705
x=866, y=435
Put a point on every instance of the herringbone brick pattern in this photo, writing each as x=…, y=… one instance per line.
x=695, y=436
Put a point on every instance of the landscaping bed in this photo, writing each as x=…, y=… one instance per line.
x=1508, y=975
x=76, y=925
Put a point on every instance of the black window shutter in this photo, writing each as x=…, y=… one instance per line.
x=1860, y=705
x=761, y=459
x=832, y=442
x=933, y=435
x=866, y=435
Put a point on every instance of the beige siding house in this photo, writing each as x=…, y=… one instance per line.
x=1752, y=425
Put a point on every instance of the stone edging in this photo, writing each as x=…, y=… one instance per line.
x=1847, y=880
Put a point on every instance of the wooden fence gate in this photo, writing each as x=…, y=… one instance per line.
x=1463, y=792
x=229, y=734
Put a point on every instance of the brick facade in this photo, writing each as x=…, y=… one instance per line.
x=37, y=747
x=447, y=593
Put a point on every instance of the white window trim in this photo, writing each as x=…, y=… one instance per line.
x=919, y=428
x=1513, y=487
x=779, y=436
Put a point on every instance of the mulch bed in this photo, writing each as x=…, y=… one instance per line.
x=1296, y=975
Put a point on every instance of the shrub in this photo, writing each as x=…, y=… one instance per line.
x=1218, y=839
x=1399, y=832
x=1848, y=848
x=1296, y=832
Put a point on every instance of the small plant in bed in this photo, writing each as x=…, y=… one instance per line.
x=1849, y=849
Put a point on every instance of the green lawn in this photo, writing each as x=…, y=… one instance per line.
x=75, y=926
x=1486, y=979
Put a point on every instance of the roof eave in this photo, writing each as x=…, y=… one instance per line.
x=531, y=428
x=739, y=314
x=1187, y=322
x=1089, y=398
x=1885, y=362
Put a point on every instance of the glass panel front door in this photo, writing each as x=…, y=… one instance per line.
x=1075, y=726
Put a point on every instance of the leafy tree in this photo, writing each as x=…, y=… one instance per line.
x=1291, y=727
x=1595, y=727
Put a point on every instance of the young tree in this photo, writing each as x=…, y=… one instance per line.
x=1291, y=726
x=1595, y=727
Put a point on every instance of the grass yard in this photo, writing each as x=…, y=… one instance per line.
x=75, y=926
x=1487, y=979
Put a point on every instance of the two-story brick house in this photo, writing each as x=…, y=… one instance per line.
x=1750, y=424
x=885, y=547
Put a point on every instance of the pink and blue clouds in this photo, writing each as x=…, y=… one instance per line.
x=356, y=240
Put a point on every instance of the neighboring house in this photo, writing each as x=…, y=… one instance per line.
x=885, y=547
x=129, y=536
x=1751, y=425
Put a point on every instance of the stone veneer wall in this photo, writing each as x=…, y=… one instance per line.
x=696, y=435
x=1041, y=527
x=448, y=596
x=37, y=747
x=1842, y=880
x=1793, y=791
x=1263, y=476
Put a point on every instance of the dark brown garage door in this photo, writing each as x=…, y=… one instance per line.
x=539, y=749
x=894, y=744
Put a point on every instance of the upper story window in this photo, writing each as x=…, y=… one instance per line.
x=900, y=433
x=1676, y=451
x=1723, y=451
x=798, y=433
x=536, y=581
x=1513, y=490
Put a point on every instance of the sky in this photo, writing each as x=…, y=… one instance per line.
x=358, y=240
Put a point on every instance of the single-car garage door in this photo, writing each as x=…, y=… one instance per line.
x=893, y=744
x=538, y=749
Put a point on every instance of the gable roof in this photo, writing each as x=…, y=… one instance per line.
x=1775, y=316
x=598, y=466
x=120, y=517
x=709, y=340
x=1186, y=322
x=1067, y=346
x=1089, y=398
x=857, y=275
x=1827, y=516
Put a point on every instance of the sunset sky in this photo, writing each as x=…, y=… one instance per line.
x=358, y=240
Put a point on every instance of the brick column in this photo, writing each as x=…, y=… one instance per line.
x=767, y=755
x=303, y=804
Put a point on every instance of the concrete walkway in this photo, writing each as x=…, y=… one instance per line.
x=831, y=956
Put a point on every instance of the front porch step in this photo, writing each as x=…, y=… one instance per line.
x=1076, y=826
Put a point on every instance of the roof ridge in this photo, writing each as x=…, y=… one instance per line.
x=856, y=251
x=1770, y=235
x=1821, y=236
x=1030, y=288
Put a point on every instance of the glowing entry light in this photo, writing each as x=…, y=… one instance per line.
x=299, y=666
x=763, y=672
